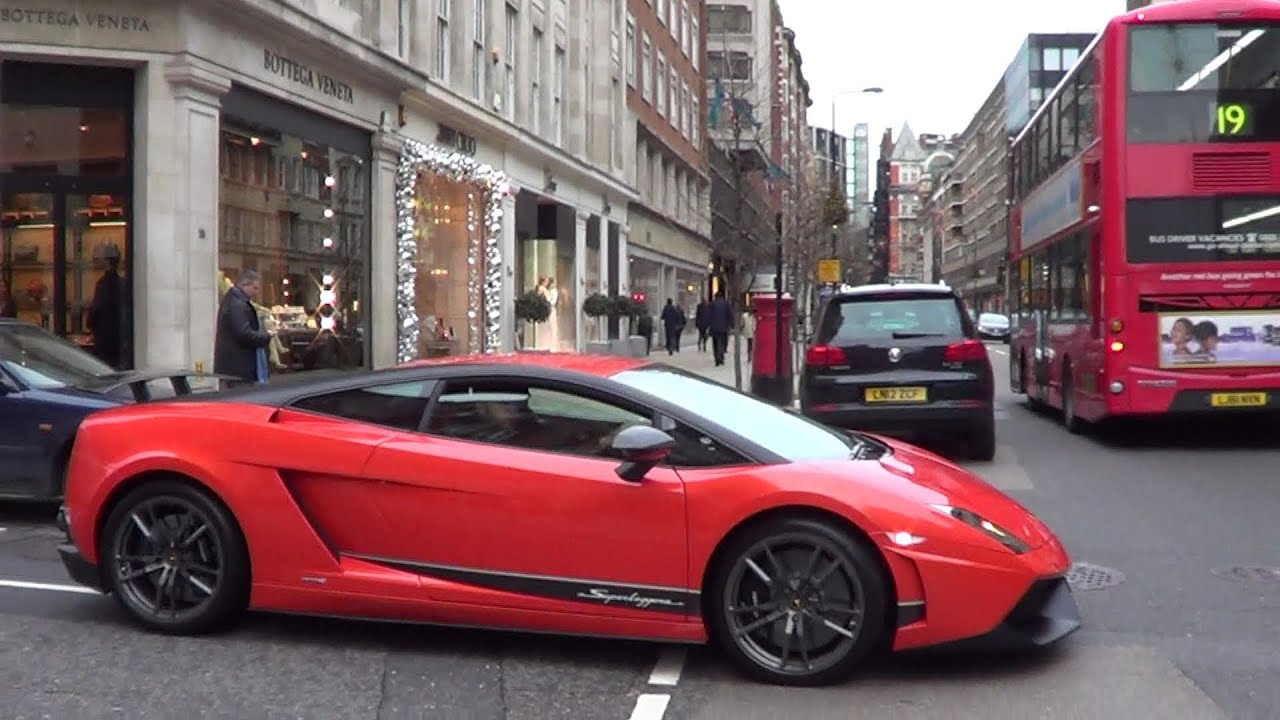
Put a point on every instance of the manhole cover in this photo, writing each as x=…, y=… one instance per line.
x=1084, y=577
x=1250, y=573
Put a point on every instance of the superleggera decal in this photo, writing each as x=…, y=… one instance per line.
x=678, y=601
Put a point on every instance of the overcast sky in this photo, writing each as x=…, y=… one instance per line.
x=936, y=59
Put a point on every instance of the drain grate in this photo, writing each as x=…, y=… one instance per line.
x=1249, y=573
x=1083, y=577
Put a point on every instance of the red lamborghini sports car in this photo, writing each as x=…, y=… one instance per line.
x=572, y=494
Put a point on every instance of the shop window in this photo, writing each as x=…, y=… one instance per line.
x=64, y=212
x=445, y=209
x=547, y=268
x=293, y=210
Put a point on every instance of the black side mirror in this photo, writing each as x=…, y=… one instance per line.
x=641, y=448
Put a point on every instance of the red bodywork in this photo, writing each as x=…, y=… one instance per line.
x=1115, y=336
x=325, y=504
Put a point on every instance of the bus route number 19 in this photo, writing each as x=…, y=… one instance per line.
x=1233, y=119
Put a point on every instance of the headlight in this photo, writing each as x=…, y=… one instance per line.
x=977, y=522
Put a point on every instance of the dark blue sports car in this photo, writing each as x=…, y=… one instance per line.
x=47, y=386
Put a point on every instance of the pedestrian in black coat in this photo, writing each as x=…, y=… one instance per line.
x=721, y=324
x=673, y=322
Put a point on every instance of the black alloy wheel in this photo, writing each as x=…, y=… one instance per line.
x=798, y=602
x=174, y=559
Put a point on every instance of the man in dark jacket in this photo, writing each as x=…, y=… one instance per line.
x=673, y=321
x=240, y=343
x=702, y=321
x=721, y=324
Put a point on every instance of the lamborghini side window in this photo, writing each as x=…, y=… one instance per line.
x=695, y=449
x=526, y=415
x=399, y=405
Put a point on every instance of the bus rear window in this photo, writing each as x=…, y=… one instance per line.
x=1204, y=82
x=1203, y=229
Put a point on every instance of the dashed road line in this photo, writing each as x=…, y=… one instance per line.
x=666, y=672
x=670, y=665
x=51, y=587
x=650, y=706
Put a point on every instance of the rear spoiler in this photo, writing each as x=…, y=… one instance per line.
x=179, y=379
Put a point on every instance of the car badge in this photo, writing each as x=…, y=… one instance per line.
x=895, y=354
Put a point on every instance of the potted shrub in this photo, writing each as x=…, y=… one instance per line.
x=596, y=306
x=533, y=308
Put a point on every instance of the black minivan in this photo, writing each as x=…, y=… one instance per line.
x=901, y=359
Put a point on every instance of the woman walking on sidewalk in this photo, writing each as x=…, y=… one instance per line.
x=748, y=327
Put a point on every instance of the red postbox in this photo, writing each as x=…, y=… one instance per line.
x=769, y=380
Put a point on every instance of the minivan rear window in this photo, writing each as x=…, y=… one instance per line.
x=887, y=317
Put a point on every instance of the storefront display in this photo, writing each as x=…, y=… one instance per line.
x=647, y=278
x=65, y=176
x=449, y=264
x=296, y=211
x=548, y=269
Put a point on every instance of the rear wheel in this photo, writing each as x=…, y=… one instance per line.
x=175, y=559
x=798, y=602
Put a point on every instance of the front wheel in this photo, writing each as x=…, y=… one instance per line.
x=798, y=602
x=175, y=559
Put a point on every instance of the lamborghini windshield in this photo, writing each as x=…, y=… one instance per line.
x=784, y=433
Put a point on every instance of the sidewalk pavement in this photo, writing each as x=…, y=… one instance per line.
x=702, y=362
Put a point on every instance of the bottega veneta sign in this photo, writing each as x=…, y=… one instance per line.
x=306, y=76
x=72, y=19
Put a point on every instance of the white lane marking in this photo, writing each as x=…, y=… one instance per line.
x=52, y=587
x=650, y=706
x=670, y=665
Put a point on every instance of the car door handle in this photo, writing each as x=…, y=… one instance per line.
x=46, y=427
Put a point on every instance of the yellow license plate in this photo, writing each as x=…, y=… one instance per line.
x=1256, y=399
x=897, y=394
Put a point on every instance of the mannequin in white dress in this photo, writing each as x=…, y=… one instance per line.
x=553, y=322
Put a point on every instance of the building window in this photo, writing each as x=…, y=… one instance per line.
x=557, y=97
x=535, y=85
x=662, y=84
x=662, y=11
x=1052, y=59
x=1069, y=57
x=478, y=49
x=696, y=123
x=673, y=21
x=686, y=112
x=631, y=50
x=646, y=69
x=674, y=80
x=735, y=65
x=403, y=27
x=442, y=39
x=312, y=262
x=684, y=27
x=509, y=67
x=695, y=44
x=729, y=19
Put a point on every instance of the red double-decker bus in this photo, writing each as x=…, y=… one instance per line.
x=1144, y=254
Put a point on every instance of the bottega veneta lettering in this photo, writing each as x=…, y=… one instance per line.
x=304, y=75
x=72, y=19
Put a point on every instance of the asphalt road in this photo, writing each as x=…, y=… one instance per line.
x=1166, y=513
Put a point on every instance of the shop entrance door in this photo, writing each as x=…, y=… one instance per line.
x=64, y=260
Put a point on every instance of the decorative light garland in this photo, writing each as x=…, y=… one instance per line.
x=484, y=252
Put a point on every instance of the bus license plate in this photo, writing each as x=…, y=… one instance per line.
x=1255, y=399
x=897, y=394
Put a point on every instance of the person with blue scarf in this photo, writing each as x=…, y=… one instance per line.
x=240, y=342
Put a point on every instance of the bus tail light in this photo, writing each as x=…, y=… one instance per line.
x=1117, y=325
x=825, y=356
x=1117, y=346
x=966, y=351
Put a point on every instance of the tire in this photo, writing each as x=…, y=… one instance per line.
x=982, y=441
x=1070, y=420
x=858, y=581
x=199, y=600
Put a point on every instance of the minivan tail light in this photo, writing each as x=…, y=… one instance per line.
x=966, y=351
x=825, y=356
